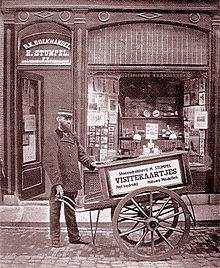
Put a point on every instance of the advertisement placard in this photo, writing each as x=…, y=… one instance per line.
x=127, y=179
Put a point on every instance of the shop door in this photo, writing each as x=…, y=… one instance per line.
x=31, y=133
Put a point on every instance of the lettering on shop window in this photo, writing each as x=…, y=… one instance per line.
x=45, y=54
x=45, y=51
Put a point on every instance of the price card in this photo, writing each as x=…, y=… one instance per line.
x=151, y=131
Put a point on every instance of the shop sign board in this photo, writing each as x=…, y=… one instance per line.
x=45, y=49
x=127, y=179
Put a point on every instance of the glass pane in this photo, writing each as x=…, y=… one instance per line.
x=102, y=117
x=30, y=103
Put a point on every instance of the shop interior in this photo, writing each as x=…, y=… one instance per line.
x=150, y=115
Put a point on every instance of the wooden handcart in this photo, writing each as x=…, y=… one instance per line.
x=150, y=220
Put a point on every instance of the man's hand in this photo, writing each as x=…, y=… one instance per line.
x=59, y=190
x=94, y=164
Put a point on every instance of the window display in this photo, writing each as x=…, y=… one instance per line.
x=196, y=119
x=134, y=116
x=103, y=117
x=151, y=107
x=168, y=113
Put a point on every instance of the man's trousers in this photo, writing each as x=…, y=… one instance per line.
x=70, y=218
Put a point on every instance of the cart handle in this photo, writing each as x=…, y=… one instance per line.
x=70, y=203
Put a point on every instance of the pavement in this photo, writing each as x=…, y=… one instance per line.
x=25, y=247
x=25, y=241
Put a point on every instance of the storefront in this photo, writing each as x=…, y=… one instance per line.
x=140, y=79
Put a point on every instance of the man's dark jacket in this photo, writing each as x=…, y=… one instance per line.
x=61, y=156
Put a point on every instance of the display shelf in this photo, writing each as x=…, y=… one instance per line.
x=131, y=125
x=151, y=117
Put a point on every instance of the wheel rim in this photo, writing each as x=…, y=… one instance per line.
x=159, y=239
x=151, y=223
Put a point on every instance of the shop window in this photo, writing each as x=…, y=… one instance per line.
x=103, y=117
x=31, y=127
x=134, y=116
x=151, y=119
x=196, y=119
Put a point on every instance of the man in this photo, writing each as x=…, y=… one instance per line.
x=62, y=151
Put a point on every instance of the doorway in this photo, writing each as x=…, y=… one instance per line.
x=30, y=137
x=41, y=92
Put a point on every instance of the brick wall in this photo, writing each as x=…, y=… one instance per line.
x=1, y=85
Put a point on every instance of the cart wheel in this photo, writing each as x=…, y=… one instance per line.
x=172, y=207
x=151, y=223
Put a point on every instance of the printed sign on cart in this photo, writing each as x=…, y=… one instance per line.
x=165, y=173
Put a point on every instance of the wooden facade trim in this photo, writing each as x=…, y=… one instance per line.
x=9, y=100
x=198, y=20
x=113, y=5
x=216, y=96
x=79, y=67
x=143, y=69
x=148, y=44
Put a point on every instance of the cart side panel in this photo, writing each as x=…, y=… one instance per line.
x=95, y=190
x=105, y=186
x=166, y=171
x=91, y=183
x=104, y=183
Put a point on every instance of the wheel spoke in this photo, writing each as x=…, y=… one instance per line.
x=151, y=203
x=171, y=228
x=131, y=219
x=171, y=216
x=163, y=206
x=126, y=217
x=134, y=209
x=165, y=239
x=167, y=222
x=157, y=209
x=152, y=243
x=132, y=227
x=132, y=231
x=166, y=211
x=142, y=238
x=139, y=207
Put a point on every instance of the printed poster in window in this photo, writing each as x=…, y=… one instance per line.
x=113, y=118
x=192, y=110
x=201, y=120
x=186, y=87
x=93, y=103
x=97, y=102
x=29, y=122
x=201, y=98
x=194, y=98
x=151, y=131
x=97, y=118
x=186, y=99
x=113, y=104
x=202, y=84
x=102, y=100
x=29, y=151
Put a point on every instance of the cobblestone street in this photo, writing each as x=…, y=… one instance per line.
x=30, y=247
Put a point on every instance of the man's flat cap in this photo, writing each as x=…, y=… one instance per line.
x=65, y=112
